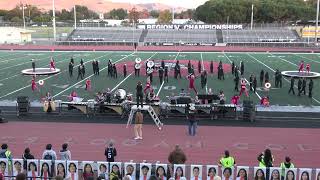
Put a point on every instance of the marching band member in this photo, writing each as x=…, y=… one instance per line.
x=34, y=84
x=33, y=64
x=222, y=98
x=301, y=66
x=308, y=68
x=203, y=79
x=166, y=74
x=265, y=101
x=177, y=71
x=139, y=94
x=161, y=72
x=191, y=79
x=88, y=85
x=235, y=99
x=72, y=95
x=243, y=88
x=148, y=86
x=52, y=64
x=125, y=70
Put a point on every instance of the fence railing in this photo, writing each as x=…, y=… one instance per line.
x=42, y=169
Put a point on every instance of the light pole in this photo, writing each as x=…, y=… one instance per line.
x=75, y=17
x=317, y=19
x=23, y=17
x=251, y=16
x=54, y=21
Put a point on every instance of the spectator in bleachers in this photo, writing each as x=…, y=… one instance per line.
x=26, y=155
x=212, y=174
x=227, y=161
x=286, y=165
x=177, y=156
x=110, y=152
x=48, y=153
x=266, y=159
x=21, y=176
x=65, y=154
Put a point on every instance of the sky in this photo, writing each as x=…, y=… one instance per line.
x=177, y=3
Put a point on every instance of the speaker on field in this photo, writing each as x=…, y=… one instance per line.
x=23, y=105
x=249, y=111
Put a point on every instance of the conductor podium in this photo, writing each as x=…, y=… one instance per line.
x=151, y=112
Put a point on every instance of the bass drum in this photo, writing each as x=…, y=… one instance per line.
x=120, y=95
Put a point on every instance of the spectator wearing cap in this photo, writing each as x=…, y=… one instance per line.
x=110, y=152
x=26, y=155
x=286, y=165
x=227, y=161
x=48, y=153
x=65, y=154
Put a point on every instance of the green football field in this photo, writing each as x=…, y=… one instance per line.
x=13, y=83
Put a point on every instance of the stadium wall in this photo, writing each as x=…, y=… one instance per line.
x=157, y=48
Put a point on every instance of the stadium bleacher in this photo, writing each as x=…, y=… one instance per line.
x=105, y=34
x=260, y=35
x=184, y=36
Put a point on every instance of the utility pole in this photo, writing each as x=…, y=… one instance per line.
x=317, y=20
x=251, y=16
x=75, y=17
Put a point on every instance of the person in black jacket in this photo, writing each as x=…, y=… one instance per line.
x=241, y=68
x=139, y=94
x=291, y=86
x=70, y=69
x=26, y=155
x=299, y=87
x=161, y=72
x=125, y=70
x=261, y=77
x=110, y=152
x=211, y=67
x=310, y=88
x=304, y=85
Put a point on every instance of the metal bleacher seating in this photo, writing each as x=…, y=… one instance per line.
x=259, y=35
x=106, y=34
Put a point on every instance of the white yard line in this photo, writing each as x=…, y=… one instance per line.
x=11, y=59
x=307, y=58
x=17, y=90
x=143, y=62
x=29, y=62
x=20, y=73
x=160, y=88
x=244, y=78
x=90, y=75
x=275, y=71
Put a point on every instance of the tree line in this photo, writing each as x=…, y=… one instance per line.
x=265, y=11
x=211, y=12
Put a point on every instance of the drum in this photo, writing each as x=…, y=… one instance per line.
x=150, y=64
x=45, y=106
x=137, y=66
